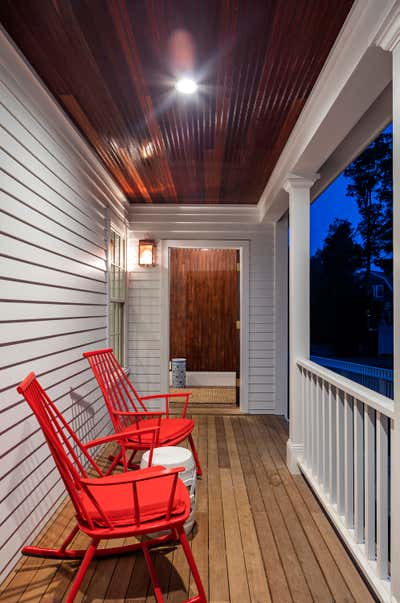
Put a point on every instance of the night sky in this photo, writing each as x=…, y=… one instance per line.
x=331, y=204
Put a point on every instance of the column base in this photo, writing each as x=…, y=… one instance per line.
x=293, y=453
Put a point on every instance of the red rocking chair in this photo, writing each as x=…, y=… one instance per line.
x=128, y=410
x=111, y=506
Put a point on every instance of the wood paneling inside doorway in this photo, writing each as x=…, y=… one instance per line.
x=204, y=308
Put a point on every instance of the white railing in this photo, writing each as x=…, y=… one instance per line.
x=346, y=461
x=374, y=377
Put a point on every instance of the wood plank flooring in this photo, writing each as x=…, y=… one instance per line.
x=260, y=535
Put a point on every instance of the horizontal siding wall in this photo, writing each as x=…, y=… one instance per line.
x=53, y=305
x=262, y=323
x=144, y=322
x=144, y=328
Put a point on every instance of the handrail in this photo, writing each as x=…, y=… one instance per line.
x=354, y=367
x=377, y=401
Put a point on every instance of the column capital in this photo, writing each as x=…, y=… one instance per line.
x=389, y=35
x=298, y=182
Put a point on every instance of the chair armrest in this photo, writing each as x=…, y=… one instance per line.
x=143, y=413
x=120, y=437
x=170, y=395
x=132, y=476
x=167, y=397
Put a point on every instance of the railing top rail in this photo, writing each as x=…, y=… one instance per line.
x=377, y=401
x=373, y=371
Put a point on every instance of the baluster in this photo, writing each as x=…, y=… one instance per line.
x=348, y=461
x=369, y=438
x=340, y=451
x=359, y=471
x=325, y=424
x=382, y=492
x=320, y=431
x=306, y=406
x=314, y=423
x=310, y=432
x=332, y=444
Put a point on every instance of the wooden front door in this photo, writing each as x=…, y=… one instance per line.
x=204, y=308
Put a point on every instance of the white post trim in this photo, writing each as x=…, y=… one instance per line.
x=389, y=39
x=298, y=188
x=282, y=313
x=395, y=424
x=244, y=248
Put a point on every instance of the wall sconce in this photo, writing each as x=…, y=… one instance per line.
x=147, y=253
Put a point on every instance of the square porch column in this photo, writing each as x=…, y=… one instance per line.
x=298, y=188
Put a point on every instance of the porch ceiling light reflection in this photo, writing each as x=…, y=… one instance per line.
x=186, y=85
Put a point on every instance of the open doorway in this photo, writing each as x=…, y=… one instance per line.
x=204, y=323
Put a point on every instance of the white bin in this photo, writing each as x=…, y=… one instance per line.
x=176, y=456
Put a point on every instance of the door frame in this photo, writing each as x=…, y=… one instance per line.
x=244, y=249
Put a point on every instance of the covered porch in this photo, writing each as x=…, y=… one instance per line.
x=300, y=494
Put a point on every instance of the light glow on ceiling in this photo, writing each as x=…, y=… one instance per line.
x=186, y=85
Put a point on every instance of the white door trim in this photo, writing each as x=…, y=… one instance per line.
x=244, y=248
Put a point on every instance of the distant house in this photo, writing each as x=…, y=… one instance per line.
x=382, y=291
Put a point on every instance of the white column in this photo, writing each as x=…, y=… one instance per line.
x=395, y=441
x=298, y=188
x=389, y=39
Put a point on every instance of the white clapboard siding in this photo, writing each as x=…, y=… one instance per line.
x=54, y=203
x=144, y=339
x=189, y=223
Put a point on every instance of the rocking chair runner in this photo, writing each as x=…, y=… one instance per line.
x=128, y=410
x=111, y=506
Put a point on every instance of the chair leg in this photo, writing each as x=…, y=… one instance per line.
x=82, y=570
x=195, y=455
x=201, y=598
x=153, y=576
x=69, y=538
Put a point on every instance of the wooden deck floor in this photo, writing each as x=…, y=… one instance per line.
x=261, y=536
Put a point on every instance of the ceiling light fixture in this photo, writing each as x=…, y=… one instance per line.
x=186, y=85
x=147, y=253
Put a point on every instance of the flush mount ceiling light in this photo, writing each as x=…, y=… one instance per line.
x=186, y=85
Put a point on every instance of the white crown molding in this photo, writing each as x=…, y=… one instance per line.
x=194, y=208
x=358, y=33
x=182, y=213
x=389, y=35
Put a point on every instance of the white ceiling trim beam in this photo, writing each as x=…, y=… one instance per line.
x=359, y=33
x=365, y=131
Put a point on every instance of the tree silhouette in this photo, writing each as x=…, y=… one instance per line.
x=371, y=185
x=338, y=304
x=344, y=313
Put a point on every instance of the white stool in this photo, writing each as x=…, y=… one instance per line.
x=176, y=456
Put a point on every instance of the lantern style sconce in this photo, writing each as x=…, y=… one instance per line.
x=147, y=253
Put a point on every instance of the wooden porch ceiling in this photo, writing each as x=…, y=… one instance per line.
x=112, y=65
x=260, y=536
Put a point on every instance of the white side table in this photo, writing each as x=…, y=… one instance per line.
x=176, y=456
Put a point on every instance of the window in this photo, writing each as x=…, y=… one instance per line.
x=117, y=293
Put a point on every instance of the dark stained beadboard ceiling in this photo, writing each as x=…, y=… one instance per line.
x=112, y=65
